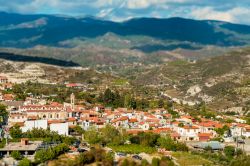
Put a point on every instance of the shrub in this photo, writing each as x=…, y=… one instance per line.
x=229, y=151
x=155, y=162
x=16, y=155
x=25, y=162
x=44, y=155
x=144, y=162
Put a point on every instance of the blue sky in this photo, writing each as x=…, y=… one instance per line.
x=236, y=11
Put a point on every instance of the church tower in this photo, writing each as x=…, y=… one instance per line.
x=72, y=101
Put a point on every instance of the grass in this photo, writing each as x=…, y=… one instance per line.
x=185, y=159
x=120, y=82
x=133, y=148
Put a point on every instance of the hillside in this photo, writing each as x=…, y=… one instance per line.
x=221, y=81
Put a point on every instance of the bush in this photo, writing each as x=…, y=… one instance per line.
x=166, y=161
x=133, y=148
x=155, y=162
x=229, y=151
x=44, y=155
x=25, y=162
x=144, y=162
x=95, y=155
x=16, y=155
x=15, y=131
x=169, y=144
x=243, y=160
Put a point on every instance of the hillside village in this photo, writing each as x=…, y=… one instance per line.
x=197, y=132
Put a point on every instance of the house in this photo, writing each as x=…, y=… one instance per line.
x=30, y=124
x=8, y=97
x=204, y=136
x=188, y=132
x=3, y=79
x=60, y=128
x=121, y=122
x=16, y=117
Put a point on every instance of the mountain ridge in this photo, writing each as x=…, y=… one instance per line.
x=50, y=30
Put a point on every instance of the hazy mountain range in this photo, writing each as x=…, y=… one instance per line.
x=20, y=31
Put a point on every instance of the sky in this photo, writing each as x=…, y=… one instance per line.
x=235, y=11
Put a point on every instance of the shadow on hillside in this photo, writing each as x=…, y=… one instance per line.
x=152, y=48
x=24, y=58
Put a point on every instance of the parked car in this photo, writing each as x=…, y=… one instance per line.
x=137, y=157
x=121, y=154
x=241, y=141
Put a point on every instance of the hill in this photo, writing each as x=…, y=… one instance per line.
x=221, y=81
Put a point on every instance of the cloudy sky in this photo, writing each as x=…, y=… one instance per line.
x=236, y=11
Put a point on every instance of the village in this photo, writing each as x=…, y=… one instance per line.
x=62, y=118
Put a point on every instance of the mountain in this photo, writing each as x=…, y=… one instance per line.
x=22, y=31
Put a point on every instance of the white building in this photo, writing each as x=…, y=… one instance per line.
x=30, y=124
x=60, y=128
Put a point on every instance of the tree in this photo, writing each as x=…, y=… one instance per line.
x=16, y=155
x=44, y=155
x=108, y=97
x=25, y=162
x=167, y=143
x=3, y=113
x=92, y=136
x=161, y=103
x=127, y=101
x=78, y=129
x=144, y=162
x=15, y=131
x=110, y=135
x=155, y=162
x=229, y=151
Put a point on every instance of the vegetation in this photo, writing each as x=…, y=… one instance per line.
x=169, y=144
x=185, y=158
x=15, y=131
x=133, y=149
x=42, y=156
x=25, y=162
x=16, y=155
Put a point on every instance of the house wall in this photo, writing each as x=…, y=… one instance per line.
x=29, y=125
x=61, y=128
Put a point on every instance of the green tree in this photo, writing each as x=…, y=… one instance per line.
x=15, y=131
x=108, y=97
x=144, y=162
x=92, y=136
x=229, y=151
x=25, y=162
x=155, y=162
x=16, y=155
x=3, y=113
x=161, y=103
x=110, y=135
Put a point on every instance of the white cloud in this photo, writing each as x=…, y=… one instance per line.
x=237, y=11
x=236, y=15
x=105, y=12
x=211, y=14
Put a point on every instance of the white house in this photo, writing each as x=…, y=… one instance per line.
x=188, y=133
x=60, y=128
x=30, y=124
